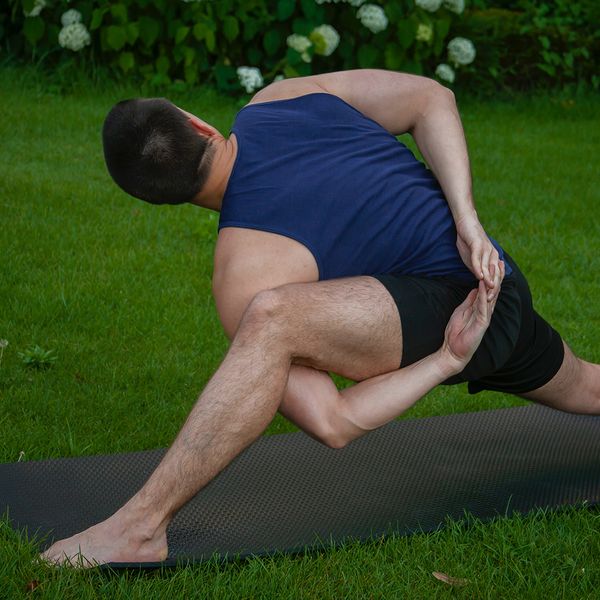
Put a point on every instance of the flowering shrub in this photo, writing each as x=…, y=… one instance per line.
x=527, y=43
x=245, y=44
x=240, y=44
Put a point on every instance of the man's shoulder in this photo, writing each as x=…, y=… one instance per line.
x=286, y=89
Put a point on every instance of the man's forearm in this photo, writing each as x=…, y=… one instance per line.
x=440, y=137
x=376, y=401
x=313, y=402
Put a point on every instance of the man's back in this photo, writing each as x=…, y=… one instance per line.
x=250, y=260
x=315, y=169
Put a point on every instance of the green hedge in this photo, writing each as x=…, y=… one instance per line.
x=244, y=44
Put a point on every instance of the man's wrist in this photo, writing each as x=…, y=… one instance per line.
x=446, y=364
x=465, y=213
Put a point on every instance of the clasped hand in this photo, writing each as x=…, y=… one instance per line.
x=467, y=326
x=479, y=254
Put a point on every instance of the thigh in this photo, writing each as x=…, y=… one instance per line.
x=350, y=326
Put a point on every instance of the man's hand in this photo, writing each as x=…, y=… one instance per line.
x=479, y=254
x=466, y=328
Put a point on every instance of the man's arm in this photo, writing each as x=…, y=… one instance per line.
x=405, y=103
x=311, y=399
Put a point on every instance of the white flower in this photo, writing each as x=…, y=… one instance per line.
x=325, y=38
x=445, y=72
x=300, y=43
x=306, y=57
x=278, y=77
x=430, y=5
x=461, y=51
x=74, y=37
x=70, y=17
x=372, y=17
x=424, y=32
x=457, y=6
x=3, y=344
x=250, y=78
x=38, y=5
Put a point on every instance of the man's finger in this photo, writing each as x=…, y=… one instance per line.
x=482, y=303
x=476, y=261
x=497, y=274
x=485, y=260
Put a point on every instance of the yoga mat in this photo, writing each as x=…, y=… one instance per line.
x=289, y=493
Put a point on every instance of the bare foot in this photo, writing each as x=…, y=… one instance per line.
x=109, y=541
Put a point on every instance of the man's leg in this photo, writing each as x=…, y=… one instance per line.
x=575, y=388
x=350, y=326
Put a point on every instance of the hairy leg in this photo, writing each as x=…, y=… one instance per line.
x=352, y=328
x=575, y=388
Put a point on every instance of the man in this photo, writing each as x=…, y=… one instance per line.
x=338, y=251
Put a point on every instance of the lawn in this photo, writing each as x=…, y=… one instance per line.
x=119, y=291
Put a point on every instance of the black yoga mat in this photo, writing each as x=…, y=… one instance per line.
x=289, y=493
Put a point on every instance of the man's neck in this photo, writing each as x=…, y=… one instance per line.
x=225, y=152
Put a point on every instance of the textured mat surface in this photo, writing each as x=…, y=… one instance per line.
x=287, y=492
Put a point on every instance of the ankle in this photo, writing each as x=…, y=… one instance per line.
x=141, y=522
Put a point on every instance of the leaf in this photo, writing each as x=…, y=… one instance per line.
x=119, y=12
x=200, y=30
x=290, y=72
x=210, y=40
x=285, y=9
x=547, y=69
x=33, y=29
x=97, y=17
x=309, y=8
x=442, y=26
x=272, y=41
x=226, y=77
x=413, y=66
x=450, y=580
x=149, y=30
x=394, y=11
x=181, y=34
x=394, y=57
x=231, y=28
x=406, y=33
x=254, y=55
x=126, y=61
x=251, y=28
x=116, y=37
x=162, y=65
x=133, y=32
x=367, y=56
x=293, y=57
x=189, y=55
x=303, y=26
x=190, y=72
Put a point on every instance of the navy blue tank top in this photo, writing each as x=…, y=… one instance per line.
x=317, y=170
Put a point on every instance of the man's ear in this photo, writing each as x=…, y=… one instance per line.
x=202, y=127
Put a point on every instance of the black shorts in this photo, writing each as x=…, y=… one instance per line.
x=519, y=352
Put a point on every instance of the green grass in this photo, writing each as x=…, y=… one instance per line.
x=120, y=291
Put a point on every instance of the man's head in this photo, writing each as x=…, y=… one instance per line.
x=155, y=151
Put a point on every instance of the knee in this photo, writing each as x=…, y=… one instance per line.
x=266, y=318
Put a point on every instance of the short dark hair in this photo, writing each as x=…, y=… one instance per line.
x=154, y=153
